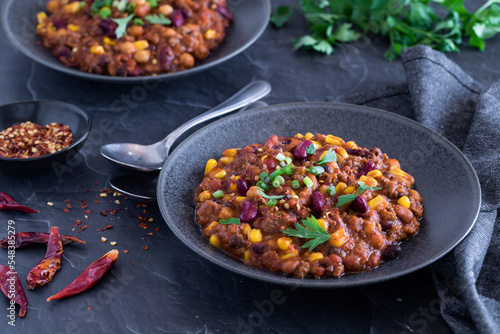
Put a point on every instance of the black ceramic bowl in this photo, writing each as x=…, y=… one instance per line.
x=44, y=112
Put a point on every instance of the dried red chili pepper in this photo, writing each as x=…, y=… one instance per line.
x=24, y=239
x=8, y=278
x=7, y=202
x=43, y=272
x=89, y=277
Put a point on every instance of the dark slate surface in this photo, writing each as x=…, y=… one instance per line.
x=170, y=289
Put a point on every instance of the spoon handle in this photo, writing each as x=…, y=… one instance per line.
x=250, y=93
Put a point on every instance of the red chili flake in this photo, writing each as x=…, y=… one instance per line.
x=125, y=251
x=145, y=247
x=84, y=205
x=8, y=202
x=125, y=197
x=157, y=229
x=142, y=205
x=115, y=211
x=66, y=210
x=103, y=213
x=150, y=233
x=66, y=200
x=132, y=263
x=106, y=227
x=88, y=211
x=78, y=222
x=97, y=182
x=69, y=206
x=96, y=202
x=86, y=191
x=82, y=228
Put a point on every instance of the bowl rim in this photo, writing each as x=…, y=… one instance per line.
x=74, y=108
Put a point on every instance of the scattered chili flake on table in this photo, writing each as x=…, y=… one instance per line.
x=8, y=202
x=8, y=278
x=125, y=251
x=106, y=227
x=43, y=272
x=28, y=140
x=145, y=247
x=24, y=239
x=89, y=277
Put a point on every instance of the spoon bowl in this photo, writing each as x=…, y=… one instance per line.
x=152, y=157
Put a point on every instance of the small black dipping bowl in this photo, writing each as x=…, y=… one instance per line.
x=43, y=113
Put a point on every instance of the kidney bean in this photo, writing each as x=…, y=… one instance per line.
x=271, y=163
x=327, y=168
x=249, y=211
x=166, y=57
x=259, y=248
x=62, y=51
x=242, y=187
x=224, y=12
x=317, y=201
x=360, y=205
x=360, y=153
x=404, y=214
x=108, y=27
x=286, y=141
x=370, y=165
x=386, y=224
x=59, y=24
x=271, y=141
x=177, y=18
x=300, y=151
x=391, y=252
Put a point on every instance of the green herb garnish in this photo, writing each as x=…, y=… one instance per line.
x=152, y=3
x=329, y=157
x=138, y=22
x=218, y=194
x=316, y=170
x=98, y=4
x=158, y=19
x=261, y=192
x=405, y=23
x=345, y=199
x=130, y=7
x=363, y=187
x=310, y=230
x=122, y=25
x=231, y=220
x=310, y=149
x=122, y=5
x=105, y=12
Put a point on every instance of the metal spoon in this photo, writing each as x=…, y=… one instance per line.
x=142, y=186
x=152, y=157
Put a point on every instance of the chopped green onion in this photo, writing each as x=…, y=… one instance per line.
x=283, y=164
x=308, y=182
x=331, y=190
x=295, y=184
x=122, y=5
x=218, y=194
x=264, y=177
x=262, y=185
x=130, y=7
x=316, y=170
x=272, y=202
x=289, y=170
x=138, y=22
x=288, y=160
x=278, y=181
x=311, y=149
x=280, y=157
x=261, y=192
x=82, y=4
x=105, y=12
x=277, y=172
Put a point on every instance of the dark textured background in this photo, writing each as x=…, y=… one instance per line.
x=170, y=289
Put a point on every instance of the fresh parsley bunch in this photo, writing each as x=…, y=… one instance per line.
x=440, y=24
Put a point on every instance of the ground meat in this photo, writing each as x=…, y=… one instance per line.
x=258, y=224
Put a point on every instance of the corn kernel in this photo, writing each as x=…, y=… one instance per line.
x=299, y=135
x=337, y=238
x=141, y=45
x=404, y=201
x=334, y=140
x=97, y=49
x=240, y=199
x=316, y=144
x=308, y=136
x=349, y=190
x=315, y=256
x=211, y=226
x=73, y=7
x=210, y=34
x=246, y=256
x=220, y=174
x=323, y=155
x=214, y=240
x=73, y=27
x=323, y=223
x=230, y=152
x=288, y=254
x=262, y=159
x=284, y=243
x=351, y=145
x=255, y=235
x=369, y=181
x=41, y=17
x=233, y=187
x=374, y=173
x=342, y=152
x=376, y=201
x=226, y=160
x=204, y=195
x=340, y=187
x=398, y=172
x=109, y=41
x=246, y=228
x=210, y=165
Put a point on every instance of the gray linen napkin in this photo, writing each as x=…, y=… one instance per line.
x=444, y=98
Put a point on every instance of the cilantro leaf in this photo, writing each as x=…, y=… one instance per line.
x=261, y=192
x=363, y=187
x=345, y=33
x=121, y=29
x=281, y=16
x=158, y=19
x=329, y=157
x=310, y=230
x=311, y=149
x=231, y=220
x=323, y=46
x=345, y=199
